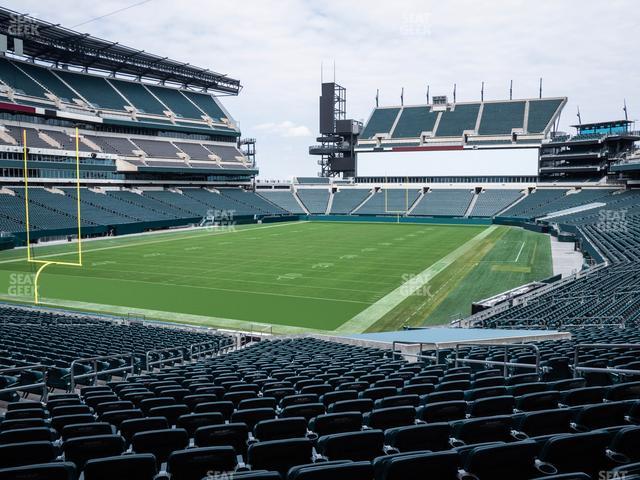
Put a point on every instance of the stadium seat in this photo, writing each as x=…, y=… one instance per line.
x=279, y=455
x=546, y=422
x=26, y=453
x=625, y=446
x=481, y=430
x=86, y=430
x=439, y=465
x=140, y=466
x=160, y=442
x=35, y=434
x=81, y=449
x=487, y=407
x=432, y=436
x=538, y=401
x=513, y=460
x=385, y=418
x=233, y=434
x=339, y=470
x=442, y=411
x=593, y=417
x=583, y=452
x=355, y=446
x=252, y=416
x=129, y=428
x=192, y=421
x=336, y=423
x=44, y=471
x=280, y=429
x=362, y=405
x=196, y=463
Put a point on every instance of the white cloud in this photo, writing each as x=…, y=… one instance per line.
x=579, y=47
x=284, y=129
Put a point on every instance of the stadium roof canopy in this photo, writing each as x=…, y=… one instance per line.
x=45, y=41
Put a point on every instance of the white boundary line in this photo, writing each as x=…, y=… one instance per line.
x=376, y=311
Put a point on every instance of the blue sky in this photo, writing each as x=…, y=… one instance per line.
x=584, y=50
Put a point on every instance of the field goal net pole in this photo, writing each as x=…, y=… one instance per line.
x=398, y=213
x=30, y=257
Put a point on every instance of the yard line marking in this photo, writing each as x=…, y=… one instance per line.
x=519, y=252
x=200, y=287
x=164, y=240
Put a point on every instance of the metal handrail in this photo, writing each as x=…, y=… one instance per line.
x=506, y=363
x=94, y=360
x=413, y=355
x=150, y=365
x=42, y=384
x=576, y=359
x=215, y=348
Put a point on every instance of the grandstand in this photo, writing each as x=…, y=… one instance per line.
x=458, y=125
x=161, y=357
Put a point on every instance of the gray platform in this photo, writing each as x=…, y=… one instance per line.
x=442, y=337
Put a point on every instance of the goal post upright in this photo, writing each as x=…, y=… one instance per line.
x=30, y=257
x=406, y=200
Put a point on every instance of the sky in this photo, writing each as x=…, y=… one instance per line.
x=584, y=50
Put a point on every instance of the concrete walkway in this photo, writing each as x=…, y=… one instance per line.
x=566, y=260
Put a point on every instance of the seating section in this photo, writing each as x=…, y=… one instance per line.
x=535, y=203
x=381, y=121
x=312, y=409
x=177, y=102
x=491, y=202
x=413, y=121
x=499, y=118
x=96, y=90
x=603, y=295
x=156, y=149
x=48, y=80
x=314, y=199
x=207, y=104
x=444, y=202
x=57, y=209
x=546, y=201
x=496, y=118
x=283, y=199
x=77, y=88
x=346, y=200
x=389, y=201
x=139, y=96
x=540, y=114
x=18, y=80
x=453, y=123
x=253, y=201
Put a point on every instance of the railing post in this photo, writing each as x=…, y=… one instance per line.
x=95, y=370
x=506, y=360
x=72, y=380
x=45, y=389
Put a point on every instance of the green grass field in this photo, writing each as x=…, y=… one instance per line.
x=305, y=275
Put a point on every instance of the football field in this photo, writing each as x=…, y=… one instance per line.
x=345, y=277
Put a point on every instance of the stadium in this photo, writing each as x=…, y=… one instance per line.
x=169, y=313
